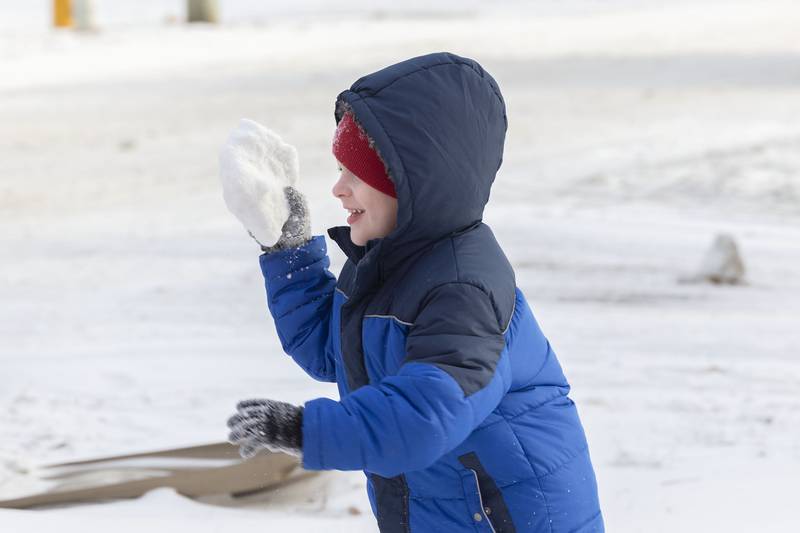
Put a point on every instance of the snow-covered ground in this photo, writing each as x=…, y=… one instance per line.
x=133, y=314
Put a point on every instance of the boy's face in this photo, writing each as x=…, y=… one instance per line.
x=373, y=214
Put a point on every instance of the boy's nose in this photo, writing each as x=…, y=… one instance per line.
x=339, y=188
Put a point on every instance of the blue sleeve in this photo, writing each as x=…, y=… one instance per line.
x=300, y=292
x=454, y=375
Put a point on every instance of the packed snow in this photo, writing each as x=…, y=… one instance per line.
x=721, y=263
x=133, y=316
x=255, y=167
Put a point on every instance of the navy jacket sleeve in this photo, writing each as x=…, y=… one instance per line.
x=300, y=292
x=455, y=373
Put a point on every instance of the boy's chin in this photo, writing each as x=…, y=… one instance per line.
x=357, y=238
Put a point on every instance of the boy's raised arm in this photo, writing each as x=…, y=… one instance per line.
x=259, y=175
x=300, y=291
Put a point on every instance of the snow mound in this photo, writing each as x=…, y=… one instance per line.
x=722, y=263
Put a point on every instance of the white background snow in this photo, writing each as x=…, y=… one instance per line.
x=132, y=313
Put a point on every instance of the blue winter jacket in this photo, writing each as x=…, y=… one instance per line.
x=452, y=400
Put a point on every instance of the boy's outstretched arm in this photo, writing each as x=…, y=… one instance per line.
x=454, y=375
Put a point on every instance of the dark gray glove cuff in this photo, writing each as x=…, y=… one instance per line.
x=296, y=231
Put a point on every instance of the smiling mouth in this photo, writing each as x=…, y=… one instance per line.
x=355, y=214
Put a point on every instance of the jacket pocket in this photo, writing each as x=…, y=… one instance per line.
x=490, y=505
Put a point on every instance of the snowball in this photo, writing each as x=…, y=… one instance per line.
x=255, y=165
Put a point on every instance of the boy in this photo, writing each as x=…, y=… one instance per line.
x=452, y=401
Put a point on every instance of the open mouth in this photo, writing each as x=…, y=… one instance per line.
x=355, y=214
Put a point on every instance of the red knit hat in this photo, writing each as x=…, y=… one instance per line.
x=351, y=147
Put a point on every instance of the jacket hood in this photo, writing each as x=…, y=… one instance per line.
x=438, y=121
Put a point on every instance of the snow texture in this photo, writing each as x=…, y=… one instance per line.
x=255, y=166
x=131, y=300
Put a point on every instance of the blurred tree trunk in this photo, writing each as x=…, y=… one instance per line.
x=202, y=11
x=83, y=12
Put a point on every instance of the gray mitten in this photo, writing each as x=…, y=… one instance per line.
x=296, y=231
x=266, y=424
